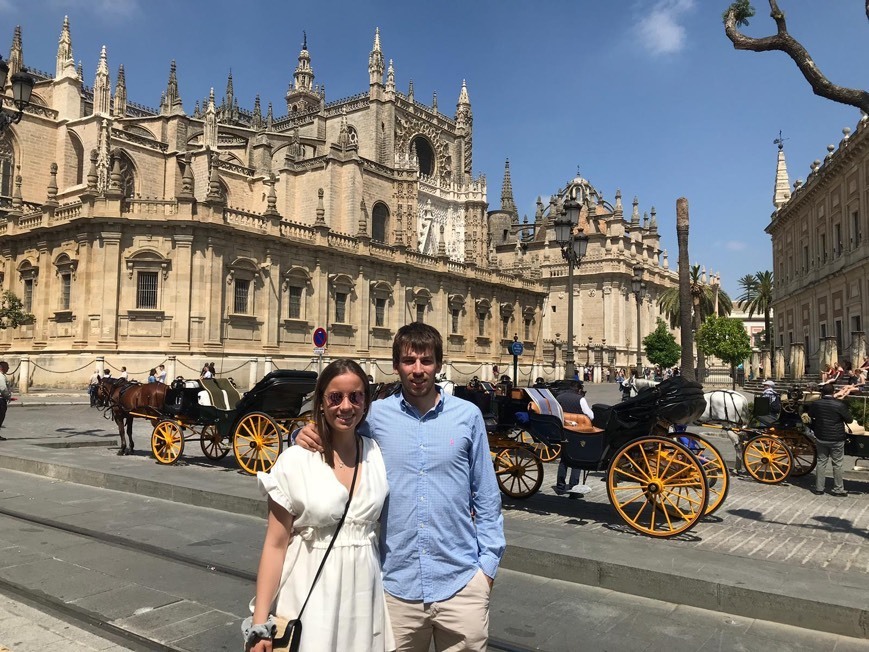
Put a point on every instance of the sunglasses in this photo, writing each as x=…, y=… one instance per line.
x=356, y=398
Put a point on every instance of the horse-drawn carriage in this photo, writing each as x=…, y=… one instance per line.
x=212, y=412
x=660, y=483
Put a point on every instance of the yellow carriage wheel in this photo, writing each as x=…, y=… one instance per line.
x=657, y=486
x=299, y=422
x=256, y=442
x=213, y=446
x=714, y=467
x=546, y=452
x=167, y=442
x=519, y=471
x=803, y=451
x=767, y=459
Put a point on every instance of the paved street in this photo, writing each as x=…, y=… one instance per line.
x=773, y=550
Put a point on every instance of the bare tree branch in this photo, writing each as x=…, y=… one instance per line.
x=784, y=42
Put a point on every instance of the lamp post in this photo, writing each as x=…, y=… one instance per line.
x=573, y=248
x=22, y=88
x=639, y=289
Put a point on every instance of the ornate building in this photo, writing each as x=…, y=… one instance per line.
x=140, y=235
x=821, y=259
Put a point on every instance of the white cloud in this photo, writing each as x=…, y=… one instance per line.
x=660, y=28
x=735, y=245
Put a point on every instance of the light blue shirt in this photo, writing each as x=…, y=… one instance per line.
x=440, y=472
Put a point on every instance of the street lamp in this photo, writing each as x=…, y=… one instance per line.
x=573, y=248
x=22, y=88
x=639, y=289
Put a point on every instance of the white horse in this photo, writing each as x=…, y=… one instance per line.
x=727, y=406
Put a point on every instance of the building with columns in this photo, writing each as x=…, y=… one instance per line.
x=821, y=258
x=140, y=235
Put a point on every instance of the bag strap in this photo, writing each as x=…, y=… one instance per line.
x=338, y=529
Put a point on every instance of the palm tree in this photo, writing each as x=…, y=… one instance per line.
x=687, y=337
x=757, y=298
x=703, y=299
x=747, y=283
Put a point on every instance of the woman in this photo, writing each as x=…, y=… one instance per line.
x=152, y=376
x=307, y=493
x=206, y=372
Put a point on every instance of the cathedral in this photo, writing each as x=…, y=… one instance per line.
x=138, y=236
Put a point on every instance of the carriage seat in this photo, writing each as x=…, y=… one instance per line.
x=580, y=423
x=218, y=393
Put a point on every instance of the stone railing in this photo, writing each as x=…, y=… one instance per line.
x=382, y=251
x=377, y=167
x=136, y=139
x=297, y=119
x=295, y=231
x=246, y=219
x=30, y=221
x=343, y=241
x=136, y=110
x=149, y=207
x=234, y=167
x=358, y=101
x=421, y=260
x=67, y=212
x=33, y=109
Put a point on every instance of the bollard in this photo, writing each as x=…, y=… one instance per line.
x=170, y=369
x=252, y=376
x=24, y=375
x=268, y=366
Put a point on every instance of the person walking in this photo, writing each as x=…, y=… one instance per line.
x=93, y=386
x=342, y=605
x=437, y=574
x=572, y=401
x=829, y=416
x=5, y=393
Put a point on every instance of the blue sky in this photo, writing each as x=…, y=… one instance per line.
x=644, y=95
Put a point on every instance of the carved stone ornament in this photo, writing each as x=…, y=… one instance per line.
x=591, y=292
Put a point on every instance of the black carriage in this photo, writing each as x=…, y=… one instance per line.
x=213, y=412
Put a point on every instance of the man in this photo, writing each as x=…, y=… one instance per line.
x=774, y=402
x=161, y=374
x=5, y=393
x=123, y=375
x=829, y=416
x=572, y=401
x=442, y=533
x=93, y=385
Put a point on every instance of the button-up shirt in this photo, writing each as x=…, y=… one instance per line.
x=442, y=520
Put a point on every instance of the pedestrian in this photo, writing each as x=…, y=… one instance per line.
x=161, y=374
x=5, y=393
x=496, y=373
x=107, y=374
x=571, y=401
x=211, y=370
x=607, y=374
x=206, y=372
x=442, y=480
x=93, y=387
x=829, y=416
x=152, y=376
x=123, y=375
x=346, y=607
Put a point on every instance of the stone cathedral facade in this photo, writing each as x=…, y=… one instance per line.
x=140, y=235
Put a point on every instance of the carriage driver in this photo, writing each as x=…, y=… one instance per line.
x=437, y=574
x=572, y=401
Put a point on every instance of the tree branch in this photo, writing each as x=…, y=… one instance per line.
x=784, y=42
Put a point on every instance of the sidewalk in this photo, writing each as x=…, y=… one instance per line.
x=776, y=553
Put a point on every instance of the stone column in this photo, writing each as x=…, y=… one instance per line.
x=170, y=369
x=363, y=310
x=252, y=373
x=831, y=350
x=798, y=360
x=858, y=348
x=268, y=366
x=101, y=364
x=182, y=268
x=779, y=362
x=24, y=375
x=111, y=273
x=214, y=290
x=754, y=363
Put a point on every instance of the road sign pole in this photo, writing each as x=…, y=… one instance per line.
x=515, y=370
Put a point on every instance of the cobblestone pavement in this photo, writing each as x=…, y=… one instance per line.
x=784, y=523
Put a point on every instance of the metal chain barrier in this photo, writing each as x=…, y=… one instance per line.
x=51, y=371
x=229, y=371
x=136, y=373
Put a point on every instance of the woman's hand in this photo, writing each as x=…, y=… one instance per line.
x=262, y=645
x=308, y=438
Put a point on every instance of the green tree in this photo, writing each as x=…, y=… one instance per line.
x=704, y=300
x=757, y=298
x=725, y=339
x=737, y=16
x=661, y=347
x=12, y=313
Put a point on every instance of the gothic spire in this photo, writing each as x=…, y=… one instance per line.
x=120, y=108
x=375, y=61
x=270, y=118
x=507, y=203
x=782, y=191
x=102, y=93
x=390, y=78
x=653, y=222
x=16, y=54
x=635, y=213
x=230, y=93
x=304, y=75
x=172, y=101
x=463, y=107
x=257, y=119
x=65, y=64
x=209, y=137
x=410, y=92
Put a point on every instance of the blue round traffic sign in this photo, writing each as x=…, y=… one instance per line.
x=320, y=338
x=516, y=348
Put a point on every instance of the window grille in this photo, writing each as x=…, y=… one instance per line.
x=420, y=313
x=527, y=329
x=481, y=324
x=146, y=290
x=341, y=307
x=65, y=287
x=455, y=321
x=27, y=299
x=295, y=297
x=505, y=327
x=242, y=295
x=379, y=311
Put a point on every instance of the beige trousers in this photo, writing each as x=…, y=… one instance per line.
x=458, y=623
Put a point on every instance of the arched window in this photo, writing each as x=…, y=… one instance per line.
x=75, y=171
x=149, y=269
x=241, y=280
x=297, y=283
x=379, y=222
x=7, y=166
x=128, y=173
x=424, y=153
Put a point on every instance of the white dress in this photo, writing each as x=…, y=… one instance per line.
x=347, y=609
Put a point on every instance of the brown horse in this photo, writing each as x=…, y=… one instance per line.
x=124, y=399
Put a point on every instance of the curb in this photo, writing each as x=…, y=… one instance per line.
x=696, y=580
